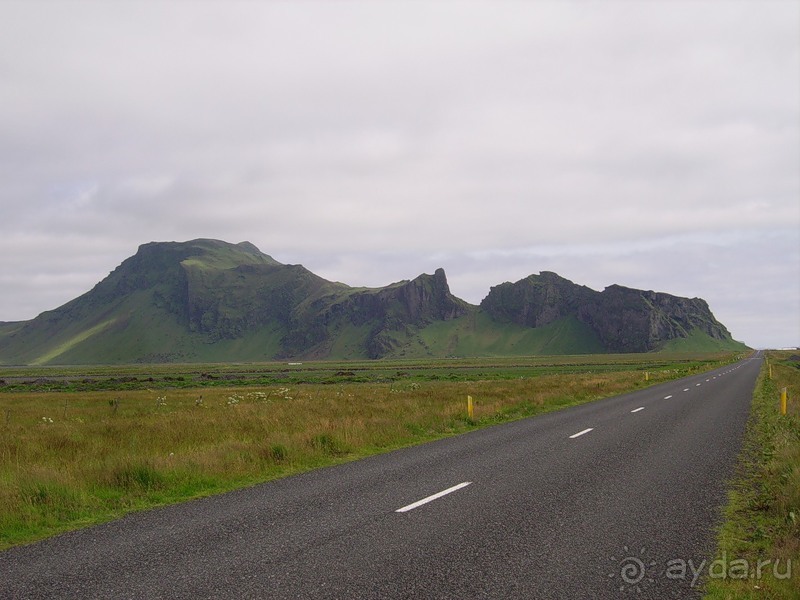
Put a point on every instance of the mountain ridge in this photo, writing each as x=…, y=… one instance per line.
x=211, y=301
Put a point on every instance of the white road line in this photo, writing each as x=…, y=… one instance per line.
x=686, y=390
x=637, y=409
x=580, y=433
x=434, y=497
x=667, y=397
x=698, y=385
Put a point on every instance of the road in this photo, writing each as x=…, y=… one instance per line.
x=564, y=505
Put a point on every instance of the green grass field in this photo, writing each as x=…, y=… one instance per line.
x=172, y=375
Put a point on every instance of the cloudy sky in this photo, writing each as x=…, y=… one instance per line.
x=652, y=144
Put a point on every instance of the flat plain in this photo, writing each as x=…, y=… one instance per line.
x=84, y=445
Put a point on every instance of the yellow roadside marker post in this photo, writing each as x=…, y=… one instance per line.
x=470, y=411
x=784, y=398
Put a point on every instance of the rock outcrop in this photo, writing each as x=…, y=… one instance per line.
x=624, y=319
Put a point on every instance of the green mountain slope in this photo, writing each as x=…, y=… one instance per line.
x=476, y=334
x=211, y=301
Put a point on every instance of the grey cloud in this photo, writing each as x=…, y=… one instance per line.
x=373, y=141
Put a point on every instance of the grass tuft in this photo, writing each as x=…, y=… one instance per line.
x=135, y=476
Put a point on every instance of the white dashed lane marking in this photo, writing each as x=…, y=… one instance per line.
x=419, y=503
x=580, y=433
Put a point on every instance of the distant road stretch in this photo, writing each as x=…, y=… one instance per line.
x=588, y=502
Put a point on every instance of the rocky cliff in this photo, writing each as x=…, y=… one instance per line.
x=400, y=308
x=624, y=319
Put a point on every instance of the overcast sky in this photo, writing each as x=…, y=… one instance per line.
x=652, y=144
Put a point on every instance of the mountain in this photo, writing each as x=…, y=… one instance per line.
x=623, y=319
x=208, y=300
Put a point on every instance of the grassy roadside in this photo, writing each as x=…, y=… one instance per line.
x=759, y=541
x=72, y=459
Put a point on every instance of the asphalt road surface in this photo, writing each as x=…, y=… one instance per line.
x=616, y=498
